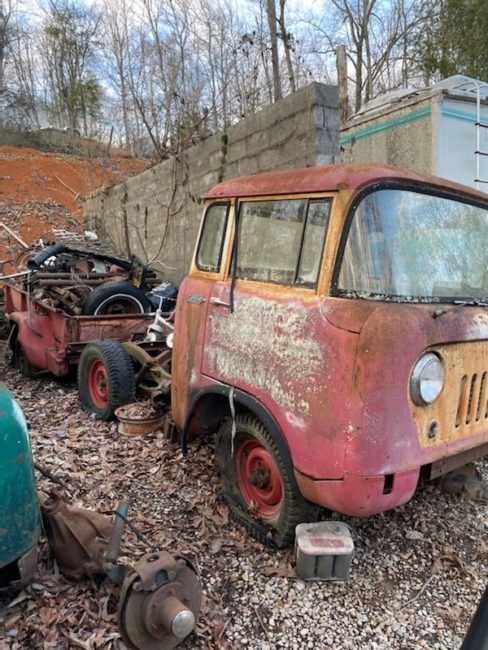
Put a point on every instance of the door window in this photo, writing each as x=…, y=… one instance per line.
x=209, y=253
x=282, y=241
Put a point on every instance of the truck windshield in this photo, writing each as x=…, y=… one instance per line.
x=410, y=245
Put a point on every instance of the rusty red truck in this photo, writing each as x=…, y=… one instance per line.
x=332, y=331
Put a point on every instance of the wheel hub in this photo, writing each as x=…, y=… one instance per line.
x=258, y=478
x=98, y=383
x=159, y=603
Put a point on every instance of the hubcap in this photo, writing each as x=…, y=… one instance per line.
x=98, y=383
x=258, y=478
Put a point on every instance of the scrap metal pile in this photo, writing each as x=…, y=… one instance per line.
x=80, y=281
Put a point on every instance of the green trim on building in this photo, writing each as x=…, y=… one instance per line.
x=388, y=124
x=460, y=115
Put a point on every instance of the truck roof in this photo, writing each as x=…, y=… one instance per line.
x=329, y=178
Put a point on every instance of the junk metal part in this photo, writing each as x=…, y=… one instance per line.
x=324, y=550
x=159, y=603
x=20, y=522
x=77, y=537
x=154, y=376
x=90, y=282
x=138, y=426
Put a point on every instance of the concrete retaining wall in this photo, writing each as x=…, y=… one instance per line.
x=156, y=214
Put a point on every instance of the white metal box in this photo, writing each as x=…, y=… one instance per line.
x=323, y=550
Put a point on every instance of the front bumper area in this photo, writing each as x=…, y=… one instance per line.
x=360, y=496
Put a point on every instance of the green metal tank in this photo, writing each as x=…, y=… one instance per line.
x=20, y=522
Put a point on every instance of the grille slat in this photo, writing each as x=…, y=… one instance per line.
x=481, y=409
x=471, y=401
x=462, y=401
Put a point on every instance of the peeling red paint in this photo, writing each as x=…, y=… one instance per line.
x=333, y=372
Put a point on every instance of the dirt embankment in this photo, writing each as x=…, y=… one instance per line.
x=40, y=191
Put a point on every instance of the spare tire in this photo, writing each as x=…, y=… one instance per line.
x=116, y=298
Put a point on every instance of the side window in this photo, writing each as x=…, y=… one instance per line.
x=269, y=239
x=313, y=242
x=282, y=241
x=210, y=246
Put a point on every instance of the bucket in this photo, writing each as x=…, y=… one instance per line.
x=134, y=420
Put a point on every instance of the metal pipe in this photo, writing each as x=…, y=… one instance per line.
x=45, y=275
x=68, y=283
x=15, y=275
x=58, y=279
x=113, y=546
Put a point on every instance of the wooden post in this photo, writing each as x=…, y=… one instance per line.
x=341, y=62
x=3, y=28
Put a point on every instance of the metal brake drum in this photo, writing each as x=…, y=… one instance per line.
x=159, y=603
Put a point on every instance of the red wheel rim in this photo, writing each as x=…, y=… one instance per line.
x=98, y=384
x=258, y=478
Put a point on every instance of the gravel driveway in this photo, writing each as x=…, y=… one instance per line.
x=416, y=578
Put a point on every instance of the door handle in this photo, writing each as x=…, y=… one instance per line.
x=220, y=303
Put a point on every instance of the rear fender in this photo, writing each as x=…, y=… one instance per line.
x=35, y=337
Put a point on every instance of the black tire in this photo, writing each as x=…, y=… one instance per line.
x=274, y=526
x=117, y=298
x=50, y=251
x=105, y=378
x=17, y=358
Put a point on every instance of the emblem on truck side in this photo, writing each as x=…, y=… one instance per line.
x=195, y=299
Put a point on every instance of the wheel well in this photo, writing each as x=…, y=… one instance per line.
x=211, y=405
x=208, y=412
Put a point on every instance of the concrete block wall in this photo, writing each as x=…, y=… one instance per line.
x=404, y=135
x=156, y=214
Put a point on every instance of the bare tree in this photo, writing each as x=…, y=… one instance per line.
x=68, y=41
x=377, y=36
x=271, y=13
x=287, y=39
x=117, y=56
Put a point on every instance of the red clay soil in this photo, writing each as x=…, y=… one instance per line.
x=40, y=191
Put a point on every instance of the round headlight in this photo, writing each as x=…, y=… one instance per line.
x=427, y=379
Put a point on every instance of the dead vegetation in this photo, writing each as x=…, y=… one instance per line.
x=416, y=577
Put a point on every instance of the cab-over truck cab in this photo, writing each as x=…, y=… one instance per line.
x=334, y=330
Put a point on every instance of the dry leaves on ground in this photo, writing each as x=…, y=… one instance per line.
x=251, y=598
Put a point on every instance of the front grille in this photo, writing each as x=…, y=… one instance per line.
x=461, y=410
x=472, y=404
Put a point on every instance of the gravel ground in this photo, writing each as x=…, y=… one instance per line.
x=416, y=578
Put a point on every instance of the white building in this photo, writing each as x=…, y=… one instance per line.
x=441, y=130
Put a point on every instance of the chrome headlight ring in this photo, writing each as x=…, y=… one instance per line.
x=427, y=380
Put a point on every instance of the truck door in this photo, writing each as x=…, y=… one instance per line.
x=191, y=309
x=265, y=330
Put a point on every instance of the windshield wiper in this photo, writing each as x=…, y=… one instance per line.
x=472, y=302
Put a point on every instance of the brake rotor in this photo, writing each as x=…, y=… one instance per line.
x=159, y=603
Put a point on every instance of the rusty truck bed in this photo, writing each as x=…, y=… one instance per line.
x=53, y=340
